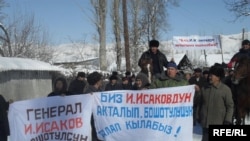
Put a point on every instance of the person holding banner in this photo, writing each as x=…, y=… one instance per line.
x=4, y=124
x=94, y=80
x=159, y=59
x=216, y=102
x=141, y=82
x=169, y=78
x=60, y=87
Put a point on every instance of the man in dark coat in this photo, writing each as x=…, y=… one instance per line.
x=113, y=84
x=198, y=78
x=4, y=123
x=95, y=81
x=78, y=85
x=159, y=59
x=244, y=51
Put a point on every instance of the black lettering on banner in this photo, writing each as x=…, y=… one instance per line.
x=239, y=132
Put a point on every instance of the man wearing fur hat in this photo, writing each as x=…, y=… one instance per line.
x=78, y=85
x=113, y=84
x=244, y=51
x=216, y=102
x=158, y=58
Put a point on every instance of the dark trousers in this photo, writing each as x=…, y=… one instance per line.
x=3, y=137
x=204, y=134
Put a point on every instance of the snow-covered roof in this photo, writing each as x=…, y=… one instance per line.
x=12, y=63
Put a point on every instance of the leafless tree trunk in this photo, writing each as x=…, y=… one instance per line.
x=6, y=42
x=100, y=7
x=240, y=8
x=126, y=35
x=23, y=38
x=135, y=32
x=156, y=16
x=117, y=32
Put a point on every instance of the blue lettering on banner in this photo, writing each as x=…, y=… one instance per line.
x=111, y=111
x=168, y=112
x=111, y=97
x=149, y=124
x=110, y=129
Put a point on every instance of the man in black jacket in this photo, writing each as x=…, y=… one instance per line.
x=78, y=85
x=158, y=58
x=244, y=51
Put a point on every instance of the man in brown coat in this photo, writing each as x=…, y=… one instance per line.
x=216, y=102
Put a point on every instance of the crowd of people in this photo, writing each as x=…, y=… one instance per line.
x=213, y=99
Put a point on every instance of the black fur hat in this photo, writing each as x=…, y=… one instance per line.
x=245, y=42
x=114, y=73
x=81, y=74
x=113, y=77
x=94, y=77
x=154, y=43
x=198, y=70
x=127, y=73
x=217, y=70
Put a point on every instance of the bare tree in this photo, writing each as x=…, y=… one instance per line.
x=115, y=16
x=126, y=35
x=240, y=8
x=135, y=32
x=23, y=38
x=100, y=11
x=6, y=42
x=155, y=16
x=149, y=19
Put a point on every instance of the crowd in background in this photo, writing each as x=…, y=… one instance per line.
x=212, y=87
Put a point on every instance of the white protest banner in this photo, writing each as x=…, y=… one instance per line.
x=196, y=42
x=57, y=118
x=145, y=115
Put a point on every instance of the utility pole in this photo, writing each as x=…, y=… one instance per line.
x=221, y=48
x=205, y=55
x=243, y=33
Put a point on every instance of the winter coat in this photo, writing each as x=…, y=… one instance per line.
x=166, y=81
x=161, y=62
x=92, y=89
x=77, y=86
x=4, y=123
x=216, y=105
x=242, y=53
x=127, y=86
x=110, y=87
x=63, y=91
x=201, y=83
x=145, y=82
